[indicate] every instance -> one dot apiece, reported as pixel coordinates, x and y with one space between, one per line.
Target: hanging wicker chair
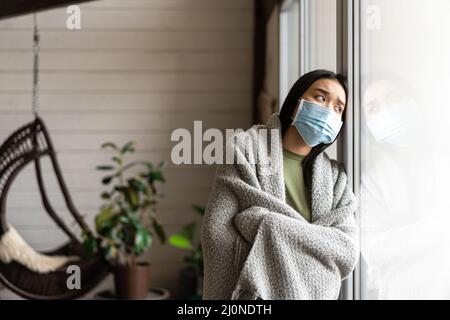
29 273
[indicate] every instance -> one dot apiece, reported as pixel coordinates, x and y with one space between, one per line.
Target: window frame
349 21
348 62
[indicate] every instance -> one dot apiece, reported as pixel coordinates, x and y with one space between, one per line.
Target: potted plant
191 276
127 221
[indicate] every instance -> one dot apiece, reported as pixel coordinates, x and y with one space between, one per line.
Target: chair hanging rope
36 48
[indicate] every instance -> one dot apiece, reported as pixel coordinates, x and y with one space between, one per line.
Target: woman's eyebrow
327 93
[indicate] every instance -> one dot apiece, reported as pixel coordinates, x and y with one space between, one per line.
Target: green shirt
297 194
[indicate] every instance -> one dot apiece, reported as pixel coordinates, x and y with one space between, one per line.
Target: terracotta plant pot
132 282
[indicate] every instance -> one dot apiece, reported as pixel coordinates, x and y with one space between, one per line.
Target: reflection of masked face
392 124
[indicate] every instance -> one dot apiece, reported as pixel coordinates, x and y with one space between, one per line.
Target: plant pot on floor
132 282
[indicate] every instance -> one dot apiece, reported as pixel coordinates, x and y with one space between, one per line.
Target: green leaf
159 230
199 209
112 234
137 185
189 231
162 164
141 241
104 167
117 160
103 219
197 255
107 179
125 219
135 222
155 176
180 241
90 244
132 197
129 147
105 195
120 188
109 145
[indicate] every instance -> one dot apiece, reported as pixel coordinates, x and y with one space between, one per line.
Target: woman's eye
321 98
338 109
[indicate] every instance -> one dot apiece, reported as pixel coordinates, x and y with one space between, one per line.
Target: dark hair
289 104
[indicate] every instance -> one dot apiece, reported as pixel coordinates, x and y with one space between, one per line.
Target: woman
405 222
284 227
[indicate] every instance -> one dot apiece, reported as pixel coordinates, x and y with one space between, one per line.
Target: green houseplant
127 221
191 277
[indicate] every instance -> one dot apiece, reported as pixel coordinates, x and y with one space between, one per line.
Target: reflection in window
405 214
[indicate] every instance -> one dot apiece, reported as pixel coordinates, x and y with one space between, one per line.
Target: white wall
135 71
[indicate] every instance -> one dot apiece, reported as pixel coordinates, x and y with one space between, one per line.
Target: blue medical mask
393 123
316 123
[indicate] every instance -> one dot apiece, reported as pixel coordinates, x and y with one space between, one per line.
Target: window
307 42
404 77
395 55
289 47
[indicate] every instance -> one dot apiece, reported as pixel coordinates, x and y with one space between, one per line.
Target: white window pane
405 214
321 41
289 47
322 34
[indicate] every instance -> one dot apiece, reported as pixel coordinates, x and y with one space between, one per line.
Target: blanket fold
256 246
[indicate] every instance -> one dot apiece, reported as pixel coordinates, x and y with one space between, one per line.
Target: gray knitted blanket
256 246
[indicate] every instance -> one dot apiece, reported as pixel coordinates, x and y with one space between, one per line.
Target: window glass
405 214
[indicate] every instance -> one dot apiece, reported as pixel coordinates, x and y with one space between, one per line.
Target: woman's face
328 93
